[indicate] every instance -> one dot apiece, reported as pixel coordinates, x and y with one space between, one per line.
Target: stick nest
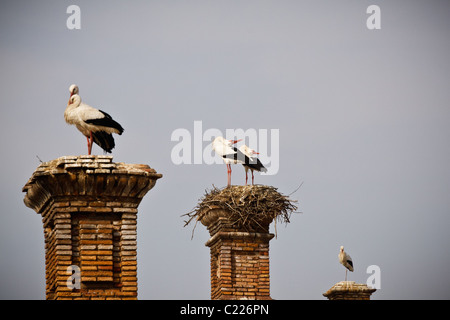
251 208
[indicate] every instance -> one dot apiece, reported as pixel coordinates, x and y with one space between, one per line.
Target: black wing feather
258 166
237 155
104 140
350 262
254 164
106 121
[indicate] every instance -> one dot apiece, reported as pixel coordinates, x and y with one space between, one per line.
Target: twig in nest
251 208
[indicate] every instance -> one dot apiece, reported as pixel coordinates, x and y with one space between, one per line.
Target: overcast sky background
363 117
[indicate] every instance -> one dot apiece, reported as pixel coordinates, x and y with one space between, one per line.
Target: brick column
89 209
239 259
349 290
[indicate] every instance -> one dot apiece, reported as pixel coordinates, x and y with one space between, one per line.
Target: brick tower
239 259
89 209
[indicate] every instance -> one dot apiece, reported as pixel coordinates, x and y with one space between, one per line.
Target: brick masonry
239 259
89 211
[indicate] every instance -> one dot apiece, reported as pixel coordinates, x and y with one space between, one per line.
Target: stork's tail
104 140
258 166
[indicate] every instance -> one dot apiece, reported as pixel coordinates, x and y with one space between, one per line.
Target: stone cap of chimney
93 175
349 288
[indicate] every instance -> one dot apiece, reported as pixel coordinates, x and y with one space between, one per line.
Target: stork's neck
69 113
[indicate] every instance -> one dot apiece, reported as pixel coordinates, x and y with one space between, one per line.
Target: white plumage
346 261
230 155
253 162
73 89
96 125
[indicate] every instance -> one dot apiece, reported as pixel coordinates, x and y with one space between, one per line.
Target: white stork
96 125
346 261
230 155
253 162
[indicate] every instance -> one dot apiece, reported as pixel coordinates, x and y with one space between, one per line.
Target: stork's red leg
228 175
246 177
253 178
90 145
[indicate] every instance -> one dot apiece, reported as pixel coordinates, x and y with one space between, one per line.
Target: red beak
235 141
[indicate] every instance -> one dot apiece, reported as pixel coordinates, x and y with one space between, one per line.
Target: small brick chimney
89 209
349 290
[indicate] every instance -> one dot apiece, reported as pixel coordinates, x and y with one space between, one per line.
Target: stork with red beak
96 125
230 155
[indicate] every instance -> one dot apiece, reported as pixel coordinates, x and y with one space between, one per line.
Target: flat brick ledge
91 165
349 290
87 176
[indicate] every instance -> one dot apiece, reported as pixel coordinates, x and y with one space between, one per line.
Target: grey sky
363 116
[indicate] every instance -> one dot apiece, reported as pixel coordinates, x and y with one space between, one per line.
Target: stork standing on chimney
346 261
96 125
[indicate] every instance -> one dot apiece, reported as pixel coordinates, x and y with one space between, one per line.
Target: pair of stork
98 126
242 155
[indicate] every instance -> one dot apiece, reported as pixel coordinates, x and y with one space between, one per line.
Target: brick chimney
238 219
349 290
89 209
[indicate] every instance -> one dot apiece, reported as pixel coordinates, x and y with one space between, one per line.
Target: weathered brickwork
239 259
89 210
